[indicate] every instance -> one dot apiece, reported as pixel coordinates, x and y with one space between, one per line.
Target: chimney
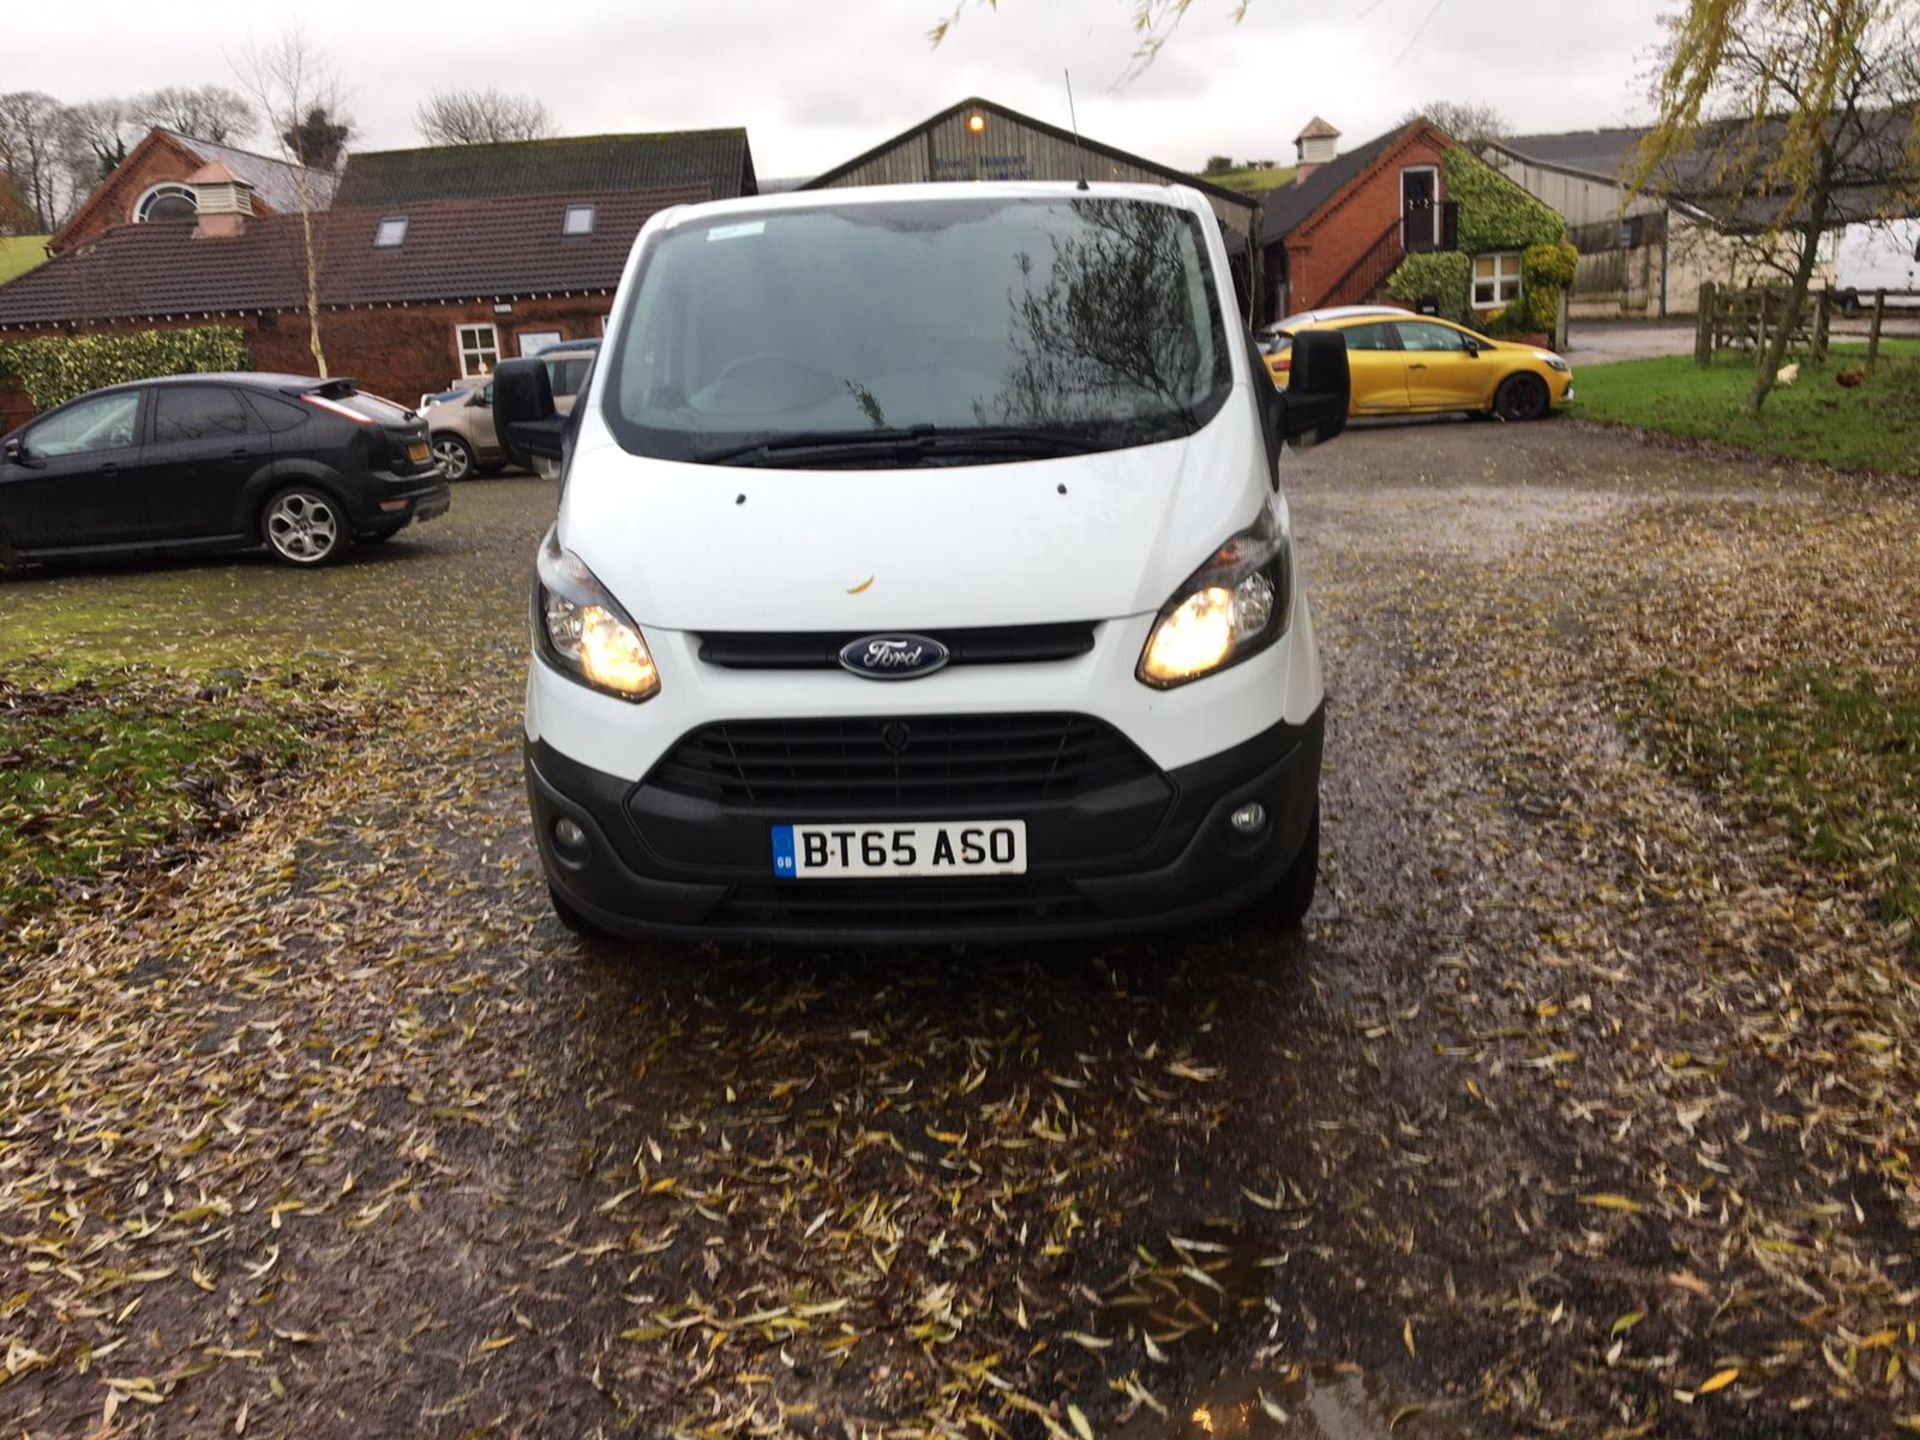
222 203
1314 147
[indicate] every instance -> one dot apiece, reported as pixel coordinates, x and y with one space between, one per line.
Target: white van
1877 255
922 574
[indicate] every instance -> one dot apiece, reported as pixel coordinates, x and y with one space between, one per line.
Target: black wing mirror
14 452
1313 408
1473 348
523 413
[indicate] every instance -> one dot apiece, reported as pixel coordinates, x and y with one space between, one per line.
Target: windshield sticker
731 232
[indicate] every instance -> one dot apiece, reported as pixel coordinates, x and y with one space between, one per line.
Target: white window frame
592 214
166 188
1432 190
532 342
473 347
1505 286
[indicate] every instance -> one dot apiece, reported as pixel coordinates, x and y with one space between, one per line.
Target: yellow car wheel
1521 397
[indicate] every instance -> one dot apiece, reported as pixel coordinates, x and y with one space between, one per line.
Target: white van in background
1878 255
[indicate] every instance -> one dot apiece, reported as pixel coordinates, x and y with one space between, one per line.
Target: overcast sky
816 83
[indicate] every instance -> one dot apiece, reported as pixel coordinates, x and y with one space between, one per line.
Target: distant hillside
19 254
1252 178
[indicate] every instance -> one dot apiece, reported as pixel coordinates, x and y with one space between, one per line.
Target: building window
166 202
479 349
392 232
532 342
1496 280
579 220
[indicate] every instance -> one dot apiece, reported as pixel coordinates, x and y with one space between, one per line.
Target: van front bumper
1155 851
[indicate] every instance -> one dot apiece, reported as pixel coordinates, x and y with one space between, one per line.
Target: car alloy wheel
454 456
1521 397
303 527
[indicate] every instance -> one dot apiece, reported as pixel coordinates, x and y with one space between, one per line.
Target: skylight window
579 220
392 232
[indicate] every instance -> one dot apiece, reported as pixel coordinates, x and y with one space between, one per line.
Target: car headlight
581 628
1554 362
1232 608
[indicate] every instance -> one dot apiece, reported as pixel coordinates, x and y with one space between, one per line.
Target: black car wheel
454 454
1521 397
303 525
1293 896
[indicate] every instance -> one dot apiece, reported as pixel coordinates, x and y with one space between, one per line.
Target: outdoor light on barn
977 123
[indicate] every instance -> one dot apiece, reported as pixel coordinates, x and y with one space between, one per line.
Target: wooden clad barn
982 140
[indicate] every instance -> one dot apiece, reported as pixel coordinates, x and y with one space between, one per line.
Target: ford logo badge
893 657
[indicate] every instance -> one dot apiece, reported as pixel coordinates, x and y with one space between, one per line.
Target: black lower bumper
1192 867
401 501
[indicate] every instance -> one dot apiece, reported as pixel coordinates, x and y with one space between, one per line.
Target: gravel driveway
338 1133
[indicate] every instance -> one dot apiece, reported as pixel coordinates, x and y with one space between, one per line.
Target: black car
300 465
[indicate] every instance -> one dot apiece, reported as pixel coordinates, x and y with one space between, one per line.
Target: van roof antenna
1079 150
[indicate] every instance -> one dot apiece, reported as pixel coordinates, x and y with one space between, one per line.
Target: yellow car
1407 364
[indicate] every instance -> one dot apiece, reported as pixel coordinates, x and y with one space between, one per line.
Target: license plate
947 847
418 453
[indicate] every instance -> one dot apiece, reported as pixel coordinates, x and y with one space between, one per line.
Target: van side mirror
1313 407
14 452
523 413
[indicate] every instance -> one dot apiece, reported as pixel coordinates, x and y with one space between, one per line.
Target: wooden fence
1749 319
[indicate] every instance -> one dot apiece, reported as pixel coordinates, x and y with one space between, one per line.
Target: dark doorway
1417 206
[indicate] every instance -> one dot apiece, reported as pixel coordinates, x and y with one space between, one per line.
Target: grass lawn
1252 178
19 254
1873 427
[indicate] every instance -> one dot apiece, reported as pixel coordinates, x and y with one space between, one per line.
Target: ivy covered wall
1495 214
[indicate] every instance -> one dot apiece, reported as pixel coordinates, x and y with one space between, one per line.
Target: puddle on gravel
1201 1281
1324 1403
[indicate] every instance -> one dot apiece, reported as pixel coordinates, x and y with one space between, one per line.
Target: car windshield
1092 320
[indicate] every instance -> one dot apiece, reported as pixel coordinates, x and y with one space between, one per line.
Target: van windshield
988 327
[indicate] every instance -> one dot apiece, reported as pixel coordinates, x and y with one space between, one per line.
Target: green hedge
1442 274
52 371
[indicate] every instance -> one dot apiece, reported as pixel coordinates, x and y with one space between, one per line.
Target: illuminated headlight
581 628
1233 607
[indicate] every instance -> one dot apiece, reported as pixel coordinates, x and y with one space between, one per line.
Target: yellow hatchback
1407 364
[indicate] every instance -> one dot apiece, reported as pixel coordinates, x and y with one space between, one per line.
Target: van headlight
1232 608
581 628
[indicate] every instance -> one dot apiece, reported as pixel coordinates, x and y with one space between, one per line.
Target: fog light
568 835
1250 819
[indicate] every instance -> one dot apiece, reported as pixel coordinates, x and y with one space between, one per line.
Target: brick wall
1322 250
399 353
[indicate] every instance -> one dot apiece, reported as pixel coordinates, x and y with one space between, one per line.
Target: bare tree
480 117
33 133
1783 119
1469 122
94 139
1153 22
206 112
298 96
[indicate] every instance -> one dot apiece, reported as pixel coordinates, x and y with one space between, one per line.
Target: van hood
1083 537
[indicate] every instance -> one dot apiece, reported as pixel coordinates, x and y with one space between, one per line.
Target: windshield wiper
910 445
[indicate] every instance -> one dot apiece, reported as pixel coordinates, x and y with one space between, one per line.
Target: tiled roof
1593 152
1317 129
452 249
717 159
275 181
1291 206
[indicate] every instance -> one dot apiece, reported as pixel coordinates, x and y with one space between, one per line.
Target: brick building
433 264
410 295
1334 235
154 183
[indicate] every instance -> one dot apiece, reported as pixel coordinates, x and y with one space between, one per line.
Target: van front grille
935 761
